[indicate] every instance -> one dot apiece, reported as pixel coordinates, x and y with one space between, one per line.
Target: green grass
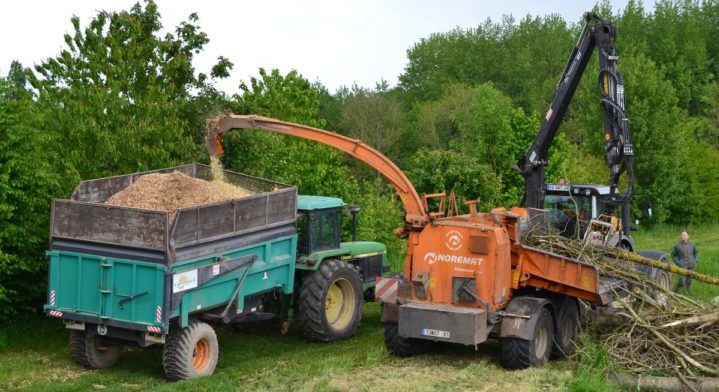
706 237
35 357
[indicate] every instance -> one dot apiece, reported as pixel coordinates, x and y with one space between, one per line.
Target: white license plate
435 333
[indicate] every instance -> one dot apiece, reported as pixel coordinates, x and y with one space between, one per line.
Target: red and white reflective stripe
158 314
154 329
385 290
55 313
52 297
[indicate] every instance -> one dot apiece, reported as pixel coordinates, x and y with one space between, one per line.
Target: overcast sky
337 42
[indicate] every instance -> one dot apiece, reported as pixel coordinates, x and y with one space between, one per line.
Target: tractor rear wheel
403 347
567 331
93 352
520 353
330 302
190 352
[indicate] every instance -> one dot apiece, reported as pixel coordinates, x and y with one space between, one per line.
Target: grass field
35 355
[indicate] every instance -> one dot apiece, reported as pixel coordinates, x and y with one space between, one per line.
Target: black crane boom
600 34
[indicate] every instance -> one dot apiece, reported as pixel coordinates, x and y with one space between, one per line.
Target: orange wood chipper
466 277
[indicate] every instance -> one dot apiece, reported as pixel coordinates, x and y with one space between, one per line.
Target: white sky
338 42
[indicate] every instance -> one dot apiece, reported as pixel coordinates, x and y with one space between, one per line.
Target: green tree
124 98
375 117
434 171
31 173
523 60
314 168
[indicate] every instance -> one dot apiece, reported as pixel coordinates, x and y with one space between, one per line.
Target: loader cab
318 223
572 206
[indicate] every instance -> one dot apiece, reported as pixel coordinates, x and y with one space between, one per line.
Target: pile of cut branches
660 331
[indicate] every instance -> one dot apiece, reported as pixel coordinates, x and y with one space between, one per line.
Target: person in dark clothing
684 255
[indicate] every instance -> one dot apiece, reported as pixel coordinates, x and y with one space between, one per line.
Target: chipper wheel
521 353
92 352
330 302
567 331
190 352
403 347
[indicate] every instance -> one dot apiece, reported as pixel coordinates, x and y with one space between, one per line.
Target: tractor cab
318 238
318 224
572 206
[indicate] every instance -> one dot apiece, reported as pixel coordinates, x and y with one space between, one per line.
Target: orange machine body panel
452 248
485 248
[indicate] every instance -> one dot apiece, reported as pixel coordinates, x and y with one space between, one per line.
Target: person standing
684 255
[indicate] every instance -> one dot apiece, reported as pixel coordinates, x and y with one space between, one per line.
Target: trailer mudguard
522 327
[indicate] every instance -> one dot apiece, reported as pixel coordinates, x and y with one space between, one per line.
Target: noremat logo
431 258
453 240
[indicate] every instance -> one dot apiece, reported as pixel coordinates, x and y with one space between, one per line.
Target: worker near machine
684 255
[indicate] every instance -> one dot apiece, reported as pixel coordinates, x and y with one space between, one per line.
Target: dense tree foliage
32 171
313 168
121 97
118 80
669 61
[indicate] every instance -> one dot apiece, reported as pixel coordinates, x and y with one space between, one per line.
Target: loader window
569 214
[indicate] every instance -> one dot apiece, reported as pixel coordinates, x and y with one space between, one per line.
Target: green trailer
126 276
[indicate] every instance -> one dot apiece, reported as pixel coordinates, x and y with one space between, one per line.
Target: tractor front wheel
330 302
93 352
190 352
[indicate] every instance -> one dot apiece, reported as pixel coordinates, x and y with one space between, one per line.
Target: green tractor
332 276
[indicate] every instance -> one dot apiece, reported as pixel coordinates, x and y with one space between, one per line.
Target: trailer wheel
92 352
567 331
330 302
520 353
190 352
403 347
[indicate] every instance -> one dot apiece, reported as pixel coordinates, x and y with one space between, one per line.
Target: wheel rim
541 342
340 304
201 354
665 282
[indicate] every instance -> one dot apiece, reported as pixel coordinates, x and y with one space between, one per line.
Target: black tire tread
84 353
517 353
180 342
310 314
402 347
567 313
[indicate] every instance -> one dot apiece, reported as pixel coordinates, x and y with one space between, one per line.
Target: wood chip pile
173 191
